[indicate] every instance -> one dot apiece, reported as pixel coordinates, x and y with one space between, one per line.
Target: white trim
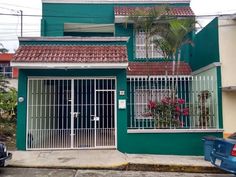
205 68
116 1
77 39
26 65
173 130
72 107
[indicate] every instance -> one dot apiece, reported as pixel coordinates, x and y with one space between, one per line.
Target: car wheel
2 164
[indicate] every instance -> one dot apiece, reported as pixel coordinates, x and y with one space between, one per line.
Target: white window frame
140 43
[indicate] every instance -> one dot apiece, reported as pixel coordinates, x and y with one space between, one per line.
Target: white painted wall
227 48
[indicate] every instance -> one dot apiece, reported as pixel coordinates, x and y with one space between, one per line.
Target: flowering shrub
167 112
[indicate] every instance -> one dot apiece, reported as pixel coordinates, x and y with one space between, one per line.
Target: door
104 118
93 113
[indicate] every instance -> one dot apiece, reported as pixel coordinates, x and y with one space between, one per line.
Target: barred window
153 51
143 96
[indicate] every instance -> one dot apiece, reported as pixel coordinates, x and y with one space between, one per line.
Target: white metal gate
77 113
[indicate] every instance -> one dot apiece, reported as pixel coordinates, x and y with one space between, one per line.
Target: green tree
8 102
147 21
173 36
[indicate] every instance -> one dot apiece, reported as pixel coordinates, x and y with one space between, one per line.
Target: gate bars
76 113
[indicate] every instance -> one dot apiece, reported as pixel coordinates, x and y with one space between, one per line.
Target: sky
10 26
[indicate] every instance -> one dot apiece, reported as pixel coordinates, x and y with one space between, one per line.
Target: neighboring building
90 87
215 50
11 74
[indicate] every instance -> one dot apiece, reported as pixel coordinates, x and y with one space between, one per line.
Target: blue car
223 154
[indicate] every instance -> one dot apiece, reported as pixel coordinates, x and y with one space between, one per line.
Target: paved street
33 172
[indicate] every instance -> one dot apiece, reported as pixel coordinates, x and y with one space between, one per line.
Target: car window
233 136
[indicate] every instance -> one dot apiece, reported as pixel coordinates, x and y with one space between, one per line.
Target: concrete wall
13 83
227 48
229 112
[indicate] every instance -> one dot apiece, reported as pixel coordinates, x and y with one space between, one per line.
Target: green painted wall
22 92
155 143
219 92
206 46
55 15
164 143
21 111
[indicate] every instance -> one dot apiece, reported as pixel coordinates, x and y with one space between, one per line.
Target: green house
85 84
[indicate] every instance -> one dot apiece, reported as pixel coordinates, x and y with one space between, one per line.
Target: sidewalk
109 159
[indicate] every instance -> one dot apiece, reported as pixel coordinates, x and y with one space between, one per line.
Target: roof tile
173 11
71 54
157 68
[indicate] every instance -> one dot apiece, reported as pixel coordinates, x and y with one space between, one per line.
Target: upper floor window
140 44
6 70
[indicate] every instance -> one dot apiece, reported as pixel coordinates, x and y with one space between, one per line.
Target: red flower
165 100
181 101
177 108
151 105
186 111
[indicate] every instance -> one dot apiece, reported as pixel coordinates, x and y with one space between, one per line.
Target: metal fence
171 102
71 113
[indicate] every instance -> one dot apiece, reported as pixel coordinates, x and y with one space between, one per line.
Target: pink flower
186 111
177 108
151 105
165 100
181 101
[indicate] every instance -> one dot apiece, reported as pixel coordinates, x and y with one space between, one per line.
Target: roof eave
117 1
49 65
75 39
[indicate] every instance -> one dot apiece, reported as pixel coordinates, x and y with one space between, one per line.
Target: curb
135 167
173 168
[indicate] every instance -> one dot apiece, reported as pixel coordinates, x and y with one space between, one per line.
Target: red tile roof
6 56
71 54
173 11
157 68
